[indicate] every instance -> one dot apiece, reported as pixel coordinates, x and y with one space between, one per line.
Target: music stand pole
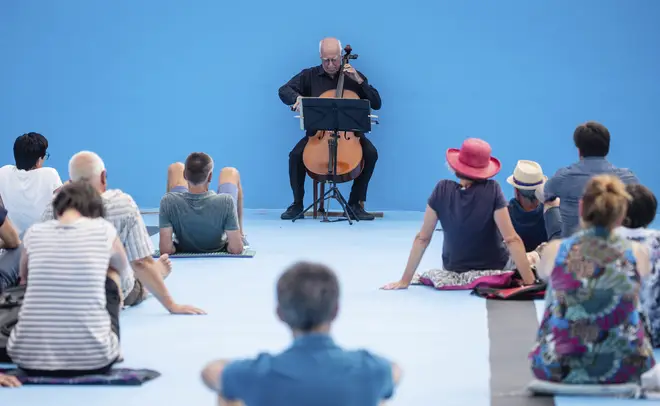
319 109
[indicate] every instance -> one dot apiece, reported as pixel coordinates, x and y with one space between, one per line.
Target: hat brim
493 168
511 182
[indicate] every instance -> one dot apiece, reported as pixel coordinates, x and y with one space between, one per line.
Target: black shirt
312 82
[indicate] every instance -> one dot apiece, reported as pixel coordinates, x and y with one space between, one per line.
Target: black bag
11 301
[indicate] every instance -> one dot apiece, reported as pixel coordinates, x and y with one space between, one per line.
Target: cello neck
340 83
344 60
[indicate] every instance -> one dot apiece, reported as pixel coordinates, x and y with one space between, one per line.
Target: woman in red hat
479 238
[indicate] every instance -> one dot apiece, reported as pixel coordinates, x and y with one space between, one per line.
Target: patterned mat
448 280
116 377
248 253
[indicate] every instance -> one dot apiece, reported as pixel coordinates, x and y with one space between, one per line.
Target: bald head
330 51
330 45
88 166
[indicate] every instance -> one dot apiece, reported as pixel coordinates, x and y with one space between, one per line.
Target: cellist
312 82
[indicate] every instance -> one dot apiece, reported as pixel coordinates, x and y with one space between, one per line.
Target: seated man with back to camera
194 219
122 211
592 141
314 370
27 187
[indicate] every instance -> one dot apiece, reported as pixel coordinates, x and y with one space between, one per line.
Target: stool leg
322 194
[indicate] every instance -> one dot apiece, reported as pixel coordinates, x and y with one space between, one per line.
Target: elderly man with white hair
312 82
122 211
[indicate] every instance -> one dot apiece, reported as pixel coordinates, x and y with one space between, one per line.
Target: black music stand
332 114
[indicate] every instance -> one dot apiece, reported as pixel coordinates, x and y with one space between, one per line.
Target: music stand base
336 194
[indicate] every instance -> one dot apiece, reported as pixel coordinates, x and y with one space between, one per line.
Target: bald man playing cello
312 82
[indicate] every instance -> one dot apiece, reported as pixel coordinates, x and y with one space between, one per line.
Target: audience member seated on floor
641 213
194 219
9 252
73 266
122 211
314 370
593 143
535 222
27 188
592 330
474 217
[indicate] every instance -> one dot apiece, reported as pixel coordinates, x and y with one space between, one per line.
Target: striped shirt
63 323
122 211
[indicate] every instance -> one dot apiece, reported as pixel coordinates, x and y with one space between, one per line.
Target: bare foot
167 269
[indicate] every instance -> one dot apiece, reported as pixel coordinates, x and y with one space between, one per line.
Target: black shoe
359 212
292 212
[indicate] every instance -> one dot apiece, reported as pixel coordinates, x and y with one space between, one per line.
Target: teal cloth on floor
629 390
116 377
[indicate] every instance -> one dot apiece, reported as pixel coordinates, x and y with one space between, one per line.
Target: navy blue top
471 240
313 371
530 225
3 215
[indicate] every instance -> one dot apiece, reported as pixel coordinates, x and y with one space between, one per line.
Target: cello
349 162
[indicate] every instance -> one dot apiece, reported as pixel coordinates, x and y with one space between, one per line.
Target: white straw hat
527 175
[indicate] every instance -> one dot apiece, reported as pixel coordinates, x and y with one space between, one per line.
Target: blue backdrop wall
143 83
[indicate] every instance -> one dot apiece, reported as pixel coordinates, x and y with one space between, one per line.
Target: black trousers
297 172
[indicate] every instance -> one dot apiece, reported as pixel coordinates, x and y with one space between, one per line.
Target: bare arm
544 269
234 242
420 243
212 376
23 268
641 253
396 378
515 244
8 235
166 245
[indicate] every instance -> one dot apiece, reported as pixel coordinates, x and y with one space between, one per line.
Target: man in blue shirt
313 370
593 143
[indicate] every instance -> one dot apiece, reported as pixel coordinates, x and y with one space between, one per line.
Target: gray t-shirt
199 221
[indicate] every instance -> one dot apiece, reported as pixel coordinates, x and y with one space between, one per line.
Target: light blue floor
440 339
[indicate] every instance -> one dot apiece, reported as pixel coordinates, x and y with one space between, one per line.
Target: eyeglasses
46 156
330 60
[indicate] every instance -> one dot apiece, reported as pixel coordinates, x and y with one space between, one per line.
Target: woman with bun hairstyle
592 331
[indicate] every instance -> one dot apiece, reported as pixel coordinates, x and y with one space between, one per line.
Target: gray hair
307 296
87 166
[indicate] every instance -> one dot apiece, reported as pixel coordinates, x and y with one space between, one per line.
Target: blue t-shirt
313 371
471 239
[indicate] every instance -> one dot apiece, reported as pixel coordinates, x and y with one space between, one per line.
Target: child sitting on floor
641 213
592 330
